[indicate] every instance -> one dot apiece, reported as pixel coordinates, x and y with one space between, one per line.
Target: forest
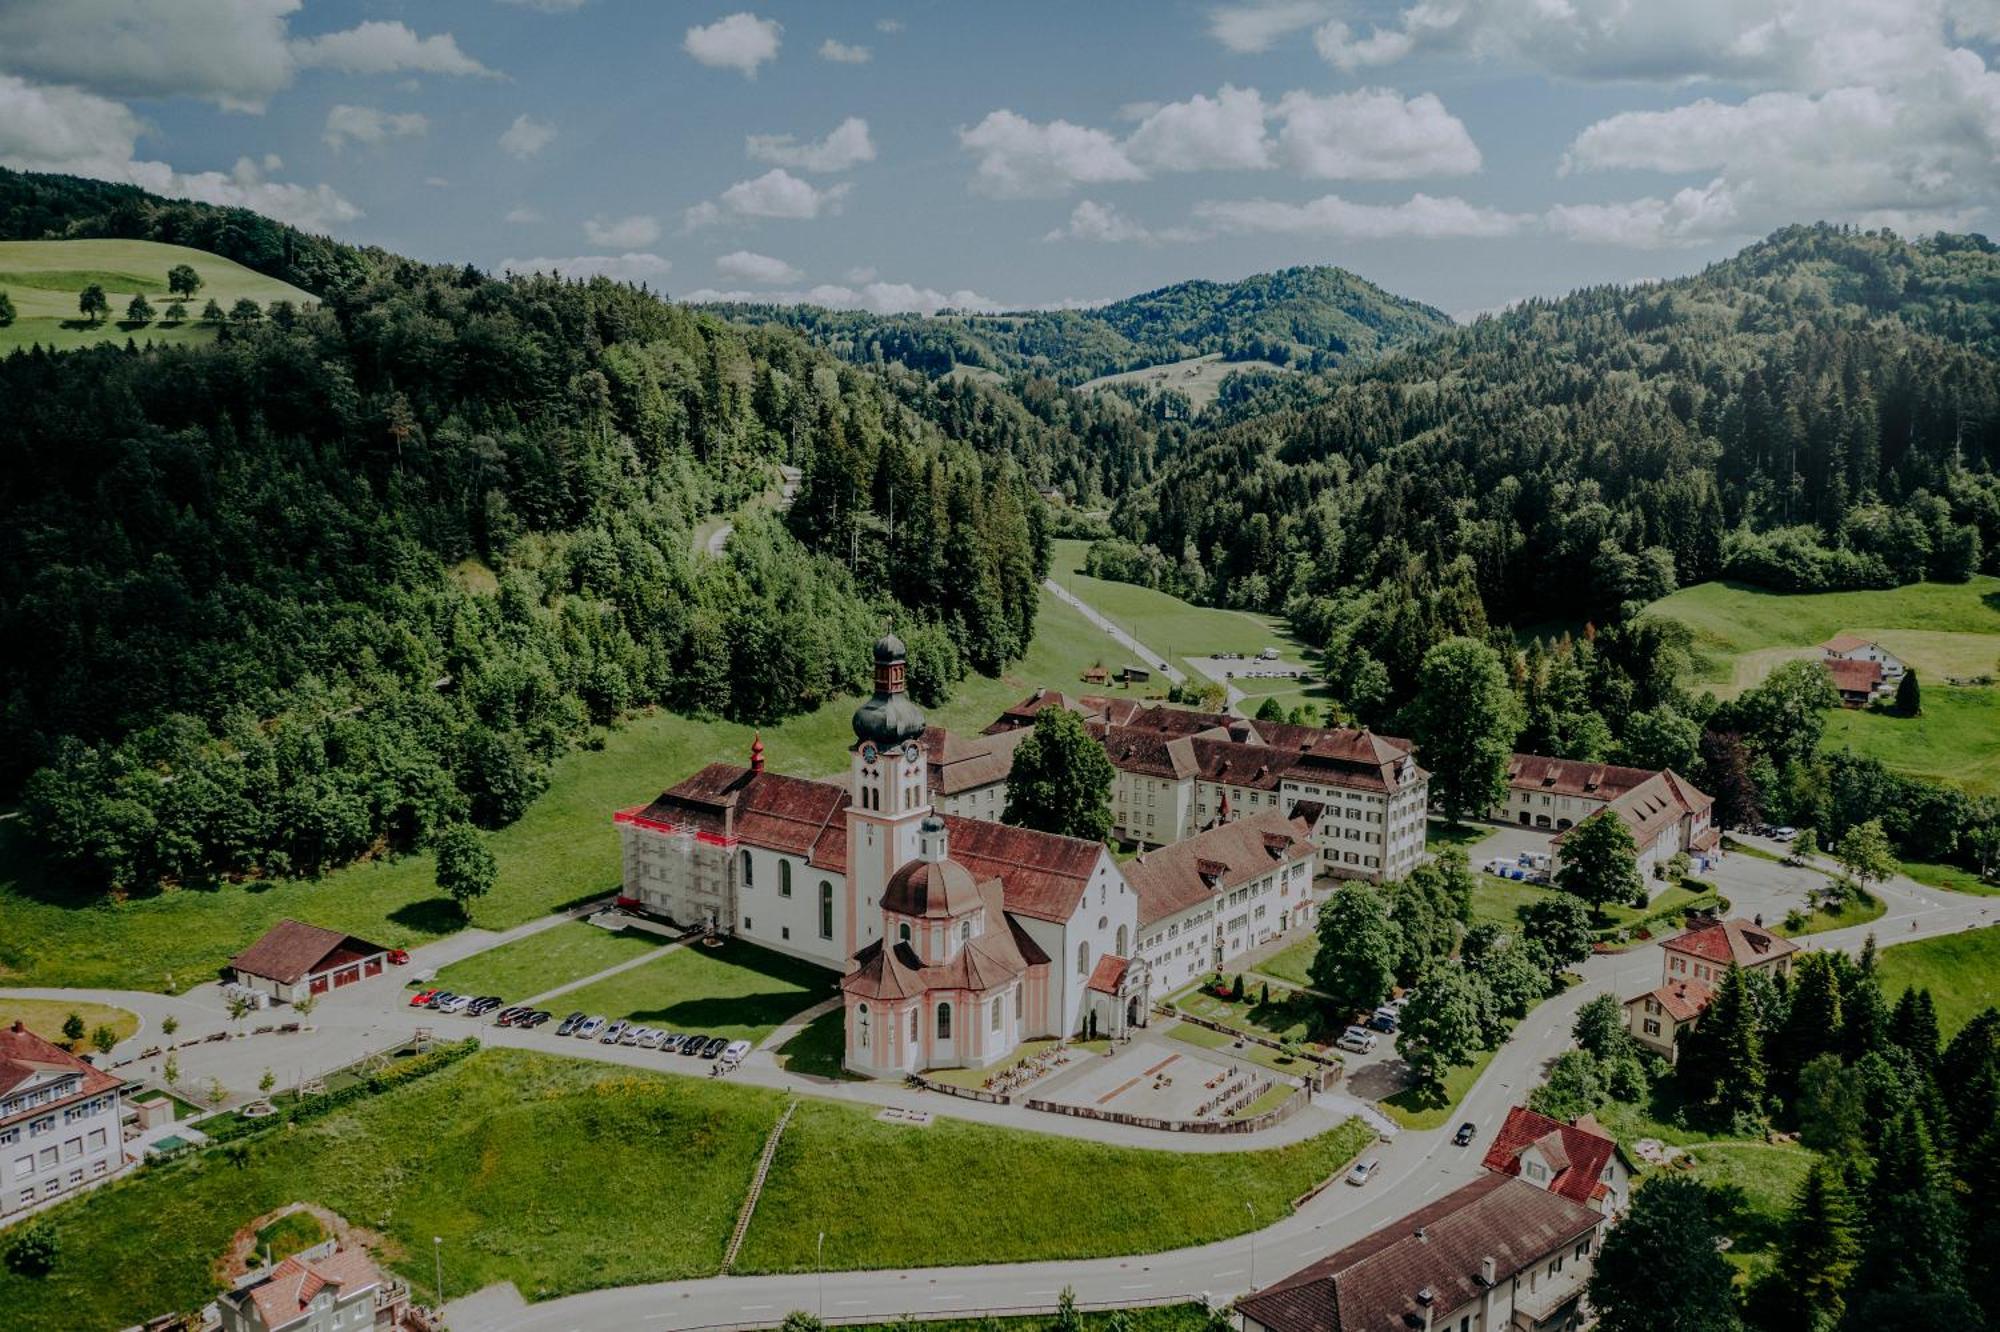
363 568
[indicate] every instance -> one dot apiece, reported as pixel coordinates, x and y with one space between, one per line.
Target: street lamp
1253 1242
819 1263
437 1250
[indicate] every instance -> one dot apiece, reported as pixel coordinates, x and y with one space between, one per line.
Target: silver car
589 1027
614 1032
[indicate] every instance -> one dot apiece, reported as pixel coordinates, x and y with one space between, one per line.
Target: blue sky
909 155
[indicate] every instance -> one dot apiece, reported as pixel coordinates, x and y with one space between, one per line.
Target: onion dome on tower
889 717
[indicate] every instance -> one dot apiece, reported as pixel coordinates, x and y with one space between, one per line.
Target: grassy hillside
562 850
45 277
1962 972
1199 378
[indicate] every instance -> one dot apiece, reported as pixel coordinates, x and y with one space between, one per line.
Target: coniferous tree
1812 1022
1915 1238
1816 1255
1659 1269
1913 1026
1722 1059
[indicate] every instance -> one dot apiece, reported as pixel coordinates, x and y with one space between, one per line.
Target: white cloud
365 124
841 53
622 233
1250 28
845 146
888 25
522 216
1691 217
740 42
547 6
1021 159
1373 134
379 47
860 275
775 194
643 267
875 297
1093 221
527 136
231 52
762 269
79 133
1421 216
1204 134
437 182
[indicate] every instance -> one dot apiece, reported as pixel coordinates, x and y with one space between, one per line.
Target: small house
293 959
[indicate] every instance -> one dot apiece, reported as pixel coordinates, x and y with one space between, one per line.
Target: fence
1277 1114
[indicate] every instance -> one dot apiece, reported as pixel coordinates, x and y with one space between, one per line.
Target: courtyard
1157 1077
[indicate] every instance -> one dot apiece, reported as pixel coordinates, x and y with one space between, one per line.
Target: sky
931 153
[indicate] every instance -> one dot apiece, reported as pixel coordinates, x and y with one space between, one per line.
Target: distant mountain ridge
1311 318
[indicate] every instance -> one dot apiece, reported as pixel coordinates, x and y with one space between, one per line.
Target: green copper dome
889 717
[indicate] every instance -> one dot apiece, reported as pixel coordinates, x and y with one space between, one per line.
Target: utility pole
437 1249
1253 1242
819 1264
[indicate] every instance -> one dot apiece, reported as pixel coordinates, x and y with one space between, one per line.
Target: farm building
293 959
1857 682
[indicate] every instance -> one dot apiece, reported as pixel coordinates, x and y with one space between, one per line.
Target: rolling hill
43 278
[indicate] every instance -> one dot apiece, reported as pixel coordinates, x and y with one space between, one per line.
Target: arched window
913 1026
1121 942
996 1015
964 931
1083 957
861 1026
825 909
744 856
784 878
944 1022
903 932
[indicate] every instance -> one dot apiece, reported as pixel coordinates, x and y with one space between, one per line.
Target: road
1416 1167
1098 618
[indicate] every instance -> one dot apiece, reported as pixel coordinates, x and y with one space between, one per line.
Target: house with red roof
293 959
1857 682
1692 965
323 1289
1579 1160
957 937
59 1121
1666 815
1853 677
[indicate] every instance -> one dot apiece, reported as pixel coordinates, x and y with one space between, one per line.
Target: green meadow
44 279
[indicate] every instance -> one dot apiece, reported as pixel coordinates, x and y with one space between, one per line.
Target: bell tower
888 790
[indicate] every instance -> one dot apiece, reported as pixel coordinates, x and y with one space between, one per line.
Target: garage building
294 959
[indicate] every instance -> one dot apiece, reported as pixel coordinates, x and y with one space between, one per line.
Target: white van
1358 1039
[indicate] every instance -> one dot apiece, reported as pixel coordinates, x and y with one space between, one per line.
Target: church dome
888 717
936 889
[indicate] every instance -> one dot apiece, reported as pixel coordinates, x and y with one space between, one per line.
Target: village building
1666 815
59 1121
293 959
1857 682
1497 1253
1580 1159
1558 793
1853 647
1208 900
323 1289
1180 771
959 936
968 773
1692 965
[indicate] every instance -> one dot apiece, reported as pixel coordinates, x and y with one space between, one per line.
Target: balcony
1552 1298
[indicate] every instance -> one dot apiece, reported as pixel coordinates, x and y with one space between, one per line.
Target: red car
422 999
399 957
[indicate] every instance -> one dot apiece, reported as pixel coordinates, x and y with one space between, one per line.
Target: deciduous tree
93 304
1600 863
465 866
1358 947
183 281
1464 720
1440 1027
139 310
1061 779
1865 853
1560 923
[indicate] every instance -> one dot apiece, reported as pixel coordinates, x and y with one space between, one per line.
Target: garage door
372 967
346 976
318 985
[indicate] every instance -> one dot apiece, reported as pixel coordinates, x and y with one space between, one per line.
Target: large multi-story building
1180 772
1692 964
59 1121
1665 812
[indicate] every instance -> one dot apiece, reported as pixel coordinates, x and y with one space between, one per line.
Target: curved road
1415 1167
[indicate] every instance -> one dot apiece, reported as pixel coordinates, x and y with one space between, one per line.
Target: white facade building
59 1121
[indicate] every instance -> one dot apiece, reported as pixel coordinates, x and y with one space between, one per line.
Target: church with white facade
958 938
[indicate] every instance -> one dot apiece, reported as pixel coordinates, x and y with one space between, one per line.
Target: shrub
33 1250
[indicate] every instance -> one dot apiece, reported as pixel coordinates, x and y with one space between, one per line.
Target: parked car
1358 1039
456 1003
534 1019
1383 1019
507 1015
588 1028
716 1045
1363 1172
1784 834
614 1032
569 1024
735 1051
650 1039
632 1035
423 998
399 957
1464 1135
692 1044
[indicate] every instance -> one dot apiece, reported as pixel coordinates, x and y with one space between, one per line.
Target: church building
958 937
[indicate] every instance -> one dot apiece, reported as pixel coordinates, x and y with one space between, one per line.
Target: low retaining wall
969 1093
1331 1069
1277 1114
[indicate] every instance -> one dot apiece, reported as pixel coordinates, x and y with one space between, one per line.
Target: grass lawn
1957 739
1293 962
1441 834
1950 877
738 991
545 960
288 1234
957 1192
45 277
1962 972
1171 626
1290 1013
45 1017
561 851
817 1050
1414 1108
1499 901
1755 1183
1261 1055
1942 629
1736 848
1851 913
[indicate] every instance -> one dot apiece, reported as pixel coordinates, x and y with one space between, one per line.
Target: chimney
1489 1272
757 752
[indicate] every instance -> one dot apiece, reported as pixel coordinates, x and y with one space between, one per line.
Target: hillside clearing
1962 972
45 277
1199 377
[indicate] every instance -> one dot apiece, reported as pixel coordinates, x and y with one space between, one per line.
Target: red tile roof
291 950
959 763
25 1056
1045 875
1187 873
998 955
792 815
1108 974
1572 777
1846 643
1577 1155
1854 677
287 1293
941 889
1372 1285
1681 1000
1734 940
